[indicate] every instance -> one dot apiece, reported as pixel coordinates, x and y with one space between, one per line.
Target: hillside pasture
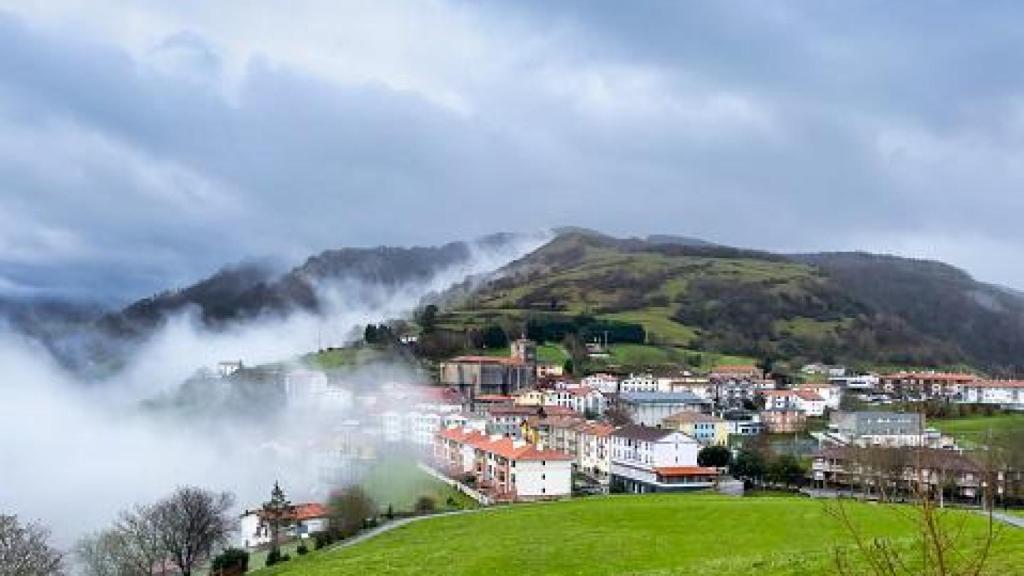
639 535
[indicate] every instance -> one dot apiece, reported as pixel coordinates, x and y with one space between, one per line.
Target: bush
302 550
274 557
231 561
424 505
323 539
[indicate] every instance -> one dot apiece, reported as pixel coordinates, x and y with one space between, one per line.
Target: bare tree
139 539
192 523
25 550
946 543
350 509
99 554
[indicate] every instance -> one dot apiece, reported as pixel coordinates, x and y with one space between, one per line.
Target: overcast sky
144 144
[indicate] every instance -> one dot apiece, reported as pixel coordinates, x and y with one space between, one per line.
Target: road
374 532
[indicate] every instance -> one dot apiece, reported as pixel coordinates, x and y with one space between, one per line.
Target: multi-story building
649 408
646 459
830 394
926 384
639 383
895 471
605 383
504 468
704 428
508 420
878 428
1006 393
594 456
810 402
479 375
783 420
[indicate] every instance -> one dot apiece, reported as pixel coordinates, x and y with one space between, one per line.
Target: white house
646 459
305 519
779 399
857 382
639 383
810 402
594 449
588 401
831 394
605 383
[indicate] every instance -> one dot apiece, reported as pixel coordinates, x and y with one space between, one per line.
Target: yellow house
705 428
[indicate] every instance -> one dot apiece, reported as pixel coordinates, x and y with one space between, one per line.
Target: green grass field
396 480
653 535
973 429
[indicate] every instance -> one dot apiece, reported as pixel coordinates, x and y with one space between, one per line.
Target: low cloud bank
73 453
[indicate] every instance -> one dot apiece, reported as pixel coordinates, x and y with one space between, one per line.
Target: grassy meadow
640 535
973 429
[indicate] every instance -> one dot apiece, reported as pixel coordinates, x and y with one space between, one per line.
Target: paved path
374 532
1005 518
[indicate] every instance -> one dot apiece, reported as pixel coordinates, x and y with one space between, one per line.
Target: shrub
323 539
301 550
424 505
231 561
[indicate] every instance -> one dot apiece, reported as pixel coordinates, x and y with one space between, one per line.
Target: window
543 476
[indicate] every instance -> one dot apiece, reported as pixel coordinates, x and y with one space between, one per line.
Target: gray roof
661 398
645 433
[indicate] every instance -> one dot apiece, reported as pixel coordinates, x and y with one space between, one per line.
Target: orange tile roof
487 360
997 384
947 376
686 471
780 393
492 398
506 448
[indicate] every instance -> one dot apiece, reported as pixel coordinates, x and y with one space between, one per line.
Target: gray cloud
143 146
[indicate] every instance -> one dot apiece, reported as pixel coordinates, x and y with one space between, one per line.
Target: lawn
641 535
395 480
973 429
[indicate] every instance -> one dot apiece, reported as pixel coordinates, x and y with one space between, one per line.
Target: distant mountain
686 295
247 291
677 294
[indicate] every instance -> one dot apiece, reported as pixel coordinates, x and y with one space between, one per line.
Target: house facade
479 375
1007 393
705 428
506 469
302 521
646 459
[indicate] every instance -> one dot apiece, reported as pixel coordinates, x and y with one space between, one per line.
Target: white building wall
543 479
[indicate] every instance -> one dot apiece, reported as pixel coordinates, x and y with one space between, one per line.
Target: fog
72 453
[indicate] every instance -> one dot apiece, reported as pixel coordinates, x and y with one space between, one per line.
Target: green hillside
649 535
683 300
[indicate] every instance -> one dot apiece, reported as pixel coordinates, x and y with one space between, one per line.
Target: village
511 429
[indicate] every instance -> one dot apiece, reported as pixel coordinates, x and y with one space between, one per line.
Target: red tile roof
493 398
942 376
997 384
508 361
502 446
686 471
